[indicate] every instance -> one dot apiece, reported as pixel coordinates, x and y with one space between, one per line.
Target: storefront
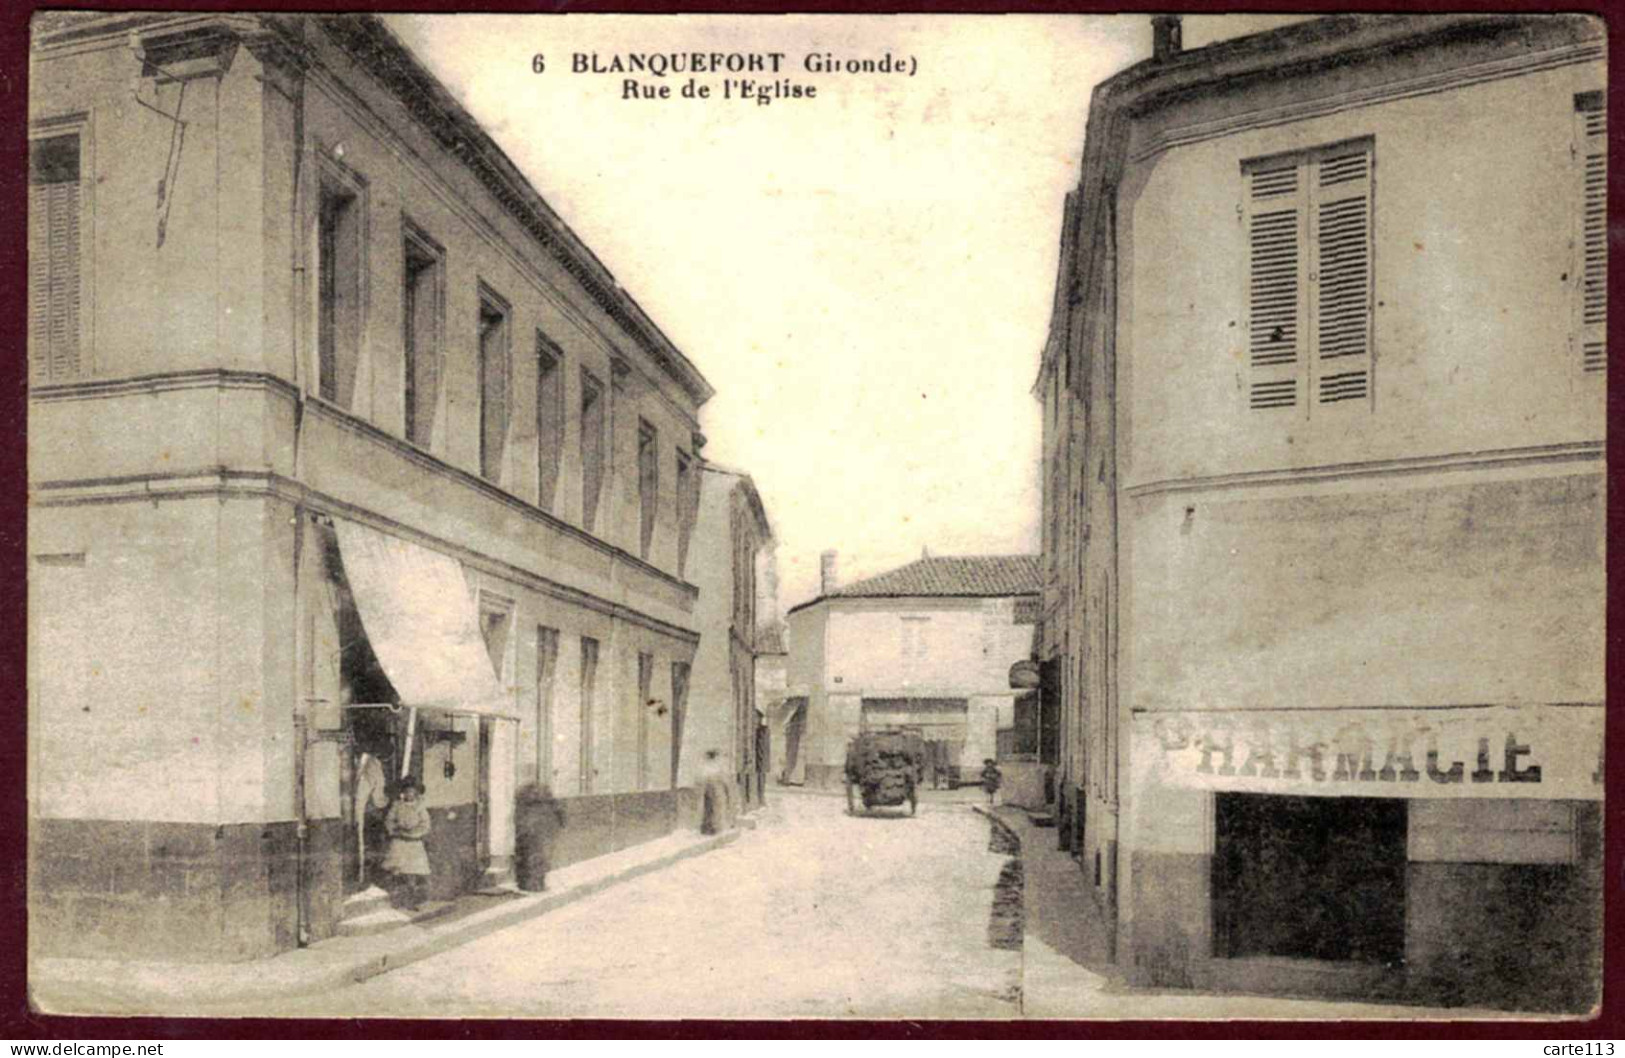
1371 852
414 697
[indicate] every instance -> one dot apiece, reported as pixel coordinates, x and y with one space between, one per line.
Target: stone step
378 921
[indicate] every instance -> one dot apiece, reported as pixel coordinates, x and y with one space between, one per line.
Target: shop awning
421 622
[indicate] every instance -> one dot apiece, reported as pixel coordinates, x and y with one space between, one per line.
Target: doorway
1309 877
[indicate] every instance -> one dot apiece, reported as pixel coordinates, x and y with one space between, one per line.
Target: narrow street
812 914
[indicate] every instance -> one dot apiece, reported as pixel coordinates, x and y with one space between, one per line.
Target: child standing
991 777
407 824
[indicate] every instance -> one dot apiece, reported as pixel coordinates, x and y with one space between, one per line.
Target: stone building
733 570
348 463
927 646
1323 529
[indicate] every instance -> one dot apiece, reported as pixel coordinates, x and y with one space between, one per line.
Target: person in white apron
407 824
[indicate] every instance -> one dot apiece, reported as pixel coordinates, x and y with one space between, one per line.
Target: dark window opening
1309 877
338 275
493 386
549 419
420 338
648 484
592 447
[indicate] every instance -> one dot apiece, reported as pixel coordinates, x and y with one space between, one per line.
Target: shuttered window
1308 237
1591 249
53 259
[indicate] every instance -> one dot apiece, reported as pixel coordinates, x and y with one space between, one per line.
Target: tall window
648 484
592 447
646 674
679 712
53 259
495 624
1309 278
339 291
589 694
494 314
687 505
422 275
549 419
547 667
1591 265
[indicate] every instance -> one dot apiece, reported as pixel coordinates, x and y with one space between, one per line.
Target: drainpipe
295 332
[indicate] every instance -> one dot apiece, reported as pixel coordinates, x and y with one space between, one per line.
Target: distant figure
407 824
991 777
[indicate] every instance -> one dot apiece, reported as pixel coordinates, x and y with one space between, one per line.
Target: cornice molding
1407 88
1535 455
315 406
375 50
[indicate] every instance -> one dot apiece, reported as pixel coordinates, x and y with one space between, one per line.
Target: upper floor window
592 447
1309 279
339 273
549 419
53 259
496 621
688 505
493 367
1591 249
422 314
648 484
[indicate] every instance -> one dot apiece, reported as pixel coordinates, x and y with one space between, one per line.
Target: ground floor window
1309 877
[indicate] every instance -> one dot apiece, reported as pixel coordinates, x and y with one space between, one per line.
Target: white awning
421 622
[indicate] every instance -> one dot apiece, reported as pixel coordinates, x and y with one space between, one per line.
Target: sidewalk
1067 973
110 986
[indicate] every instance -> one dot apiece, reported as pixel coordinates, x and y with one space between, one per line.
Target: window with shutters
1308 235
1591 238
54 243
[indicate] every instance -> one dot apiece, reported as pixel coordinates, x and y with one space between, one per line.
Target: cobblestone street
812 914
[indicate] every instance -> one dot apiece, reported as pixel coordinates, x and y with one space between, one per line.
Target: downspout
295 330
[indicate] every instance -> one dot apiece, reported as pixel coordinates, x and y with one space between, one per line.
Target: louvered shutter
1591 157
53 259
1340 274
1275 283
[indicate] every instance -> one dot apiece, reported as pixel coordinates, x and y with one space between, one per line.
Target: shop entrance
1309 877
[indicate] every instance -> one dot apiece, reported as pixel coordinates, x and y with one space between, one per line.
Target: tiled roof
981 575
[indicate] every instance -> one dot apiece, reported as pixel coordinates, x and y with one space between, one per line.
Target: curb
361 968
1002 825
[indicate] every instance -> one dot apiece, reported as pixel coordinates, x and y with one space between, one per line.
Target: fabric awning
421 623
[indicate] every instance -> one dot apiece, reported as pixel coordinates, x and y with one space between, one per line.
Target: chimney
829 580
1165 42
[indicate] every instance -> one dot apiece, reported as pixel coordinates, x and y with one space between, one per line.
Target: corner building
348 461
1324 505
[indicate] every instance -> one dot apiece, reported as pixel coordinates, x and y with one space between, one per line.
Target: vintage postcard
884 517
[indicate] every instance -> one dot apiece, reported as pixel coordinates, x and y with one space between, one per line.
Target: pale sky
865 277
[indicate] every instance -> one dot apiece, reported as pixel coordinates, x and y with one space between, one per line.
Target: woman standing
407 824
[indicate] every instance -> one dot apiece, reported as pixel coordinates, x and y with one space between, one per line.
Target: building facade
1323 485
926 646
734 571
349 463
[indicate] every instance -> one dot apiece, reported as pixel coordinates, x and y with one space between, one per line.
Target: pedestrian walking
407 824
991 777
